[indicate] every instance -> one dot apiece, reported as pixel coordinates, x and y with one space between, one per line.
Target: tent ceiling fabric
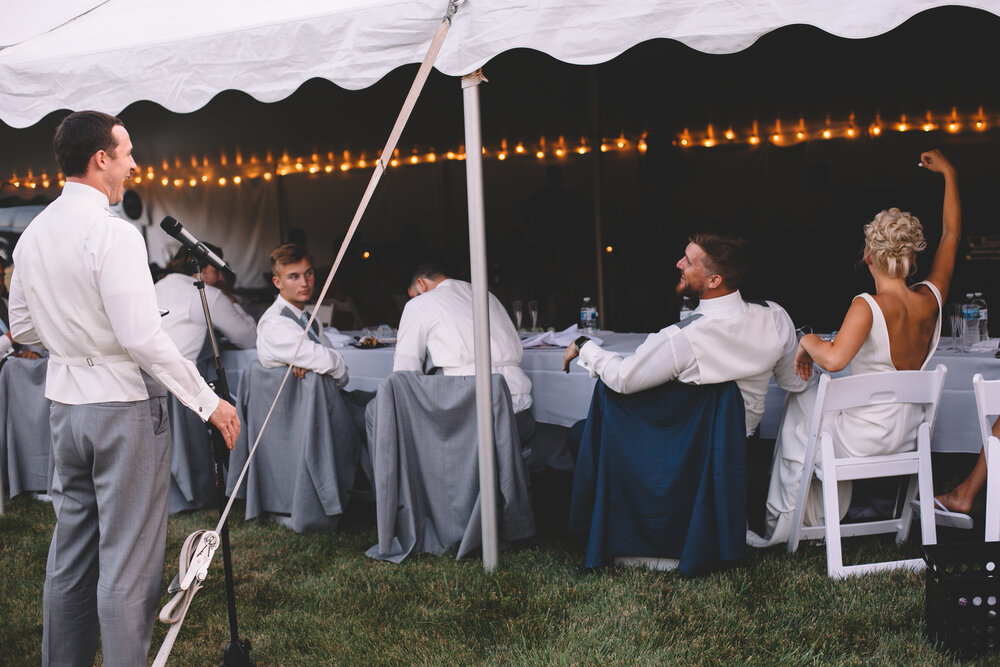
181 53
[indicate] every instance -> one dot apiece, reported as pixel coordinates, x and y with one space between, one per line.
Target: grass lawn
316 599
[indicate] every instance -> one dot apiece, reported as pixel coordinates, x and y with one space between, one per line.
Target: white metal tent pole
480 317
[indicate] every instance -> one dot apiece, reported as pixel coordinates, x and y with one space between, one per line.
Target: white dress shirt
278 334
439 323
185 323
83 289
732 340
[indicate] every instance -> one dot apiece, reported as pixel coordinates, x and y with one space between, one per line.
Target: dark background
802 206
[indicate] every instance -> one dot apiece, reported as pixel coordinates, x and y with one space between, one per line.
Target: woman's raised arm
951 228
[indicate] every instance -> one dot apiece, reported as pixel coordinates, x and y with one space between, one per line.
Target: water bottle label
970 312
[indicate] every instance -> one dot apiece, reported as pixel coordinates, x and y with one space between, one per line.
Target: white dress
866 431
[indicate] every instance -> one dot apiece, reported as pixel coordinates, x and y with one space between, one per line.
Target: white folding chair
988 405
835 395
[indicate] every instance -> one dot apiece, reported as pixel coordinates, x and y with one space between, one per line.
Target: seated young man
185 319
281 325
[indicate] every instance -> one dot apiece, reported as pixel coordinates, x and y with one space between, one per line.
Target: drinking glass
518 309
533 313
957 326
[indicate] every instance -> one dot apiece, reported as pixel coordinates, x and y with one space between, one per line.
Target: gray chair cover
25 438
426 461
305 464
192 466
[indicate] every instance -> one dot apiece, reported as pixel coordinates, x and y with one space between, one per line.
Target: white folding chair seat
835 395
988 404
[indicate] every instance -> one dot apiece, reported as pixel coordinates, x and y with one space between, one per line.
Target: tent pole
480 317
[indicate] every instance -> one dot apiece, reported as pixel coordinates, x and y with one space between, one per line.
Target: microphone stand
237 653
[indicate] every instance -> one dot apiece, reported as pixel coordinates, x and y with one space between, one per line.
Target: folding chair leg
906 516
831 509
805 483
925 479
993 490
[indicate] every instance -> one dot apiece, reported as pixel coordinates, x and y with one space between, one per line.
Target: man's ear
274 279
714 281
99 159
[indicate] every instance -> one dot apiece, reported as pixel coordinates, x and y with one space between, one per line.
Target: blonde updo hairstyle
892 241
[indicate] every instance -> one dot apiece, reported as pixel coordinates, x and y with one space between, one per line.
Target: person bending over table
725 339
185 321
435 332
282 324
896 329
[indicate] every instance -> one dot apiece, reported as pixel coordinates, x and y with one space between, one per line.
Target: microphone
200 251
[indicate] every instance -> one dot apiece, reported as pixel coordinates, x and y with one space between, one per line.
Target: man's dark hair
181 261
288 253
431 268
79 136
726 254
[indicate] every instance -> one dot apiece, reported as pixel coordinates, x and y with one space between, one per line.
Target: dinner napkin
559 338
336 338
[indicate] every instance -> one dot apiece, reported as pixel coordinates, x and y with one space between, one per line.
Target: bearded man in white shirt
185 319
83 290
435 332
725 339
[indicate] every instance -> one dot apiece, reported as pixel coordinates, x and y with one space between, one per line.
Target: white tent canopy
106 54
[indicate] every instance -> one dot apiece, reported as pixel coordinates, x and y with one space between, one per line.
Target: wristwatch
579 342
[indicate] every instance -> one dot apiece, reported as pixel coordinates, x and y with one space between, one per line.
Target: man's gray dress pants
105 565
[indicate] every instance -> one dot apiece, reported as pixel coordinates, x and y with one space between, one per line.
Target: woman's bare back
910 318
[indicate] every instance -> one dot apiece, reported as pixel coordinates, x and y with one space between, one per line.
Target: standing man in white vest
83 290
725 339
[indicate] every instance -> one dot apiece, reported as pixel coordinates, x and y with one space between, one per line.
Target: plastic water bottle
588 316
970 322
687 309
984 334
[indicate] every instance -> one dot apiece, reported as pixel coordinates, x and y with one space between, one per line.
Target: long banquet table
563 399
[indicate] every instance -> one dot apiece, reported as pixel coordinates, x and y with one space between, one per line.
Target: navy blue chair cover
662 473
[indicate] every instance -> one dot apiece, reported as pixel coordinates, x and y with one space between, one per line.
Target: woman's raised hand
935 161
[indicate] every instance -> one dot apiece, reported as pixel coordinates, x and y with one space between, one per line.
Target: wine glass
957 326
533 313
518 308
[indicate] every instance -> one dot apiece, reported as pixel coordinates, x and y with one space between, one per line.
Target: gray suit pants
105 565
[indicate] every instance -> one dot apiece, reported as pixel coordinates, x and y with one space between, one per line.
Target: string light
195 170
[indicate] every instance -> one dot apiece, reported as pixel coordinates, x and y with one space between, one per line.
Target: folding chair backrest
836 394
987 403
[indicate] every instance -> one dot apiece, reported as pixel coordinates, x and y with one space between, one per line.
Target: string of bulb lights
196 171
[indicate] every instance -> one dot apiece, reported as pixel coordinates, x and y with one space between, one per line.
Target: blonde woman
897 328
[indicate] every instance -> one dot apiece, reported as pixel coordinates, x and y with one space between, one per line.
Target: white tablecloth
563 399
